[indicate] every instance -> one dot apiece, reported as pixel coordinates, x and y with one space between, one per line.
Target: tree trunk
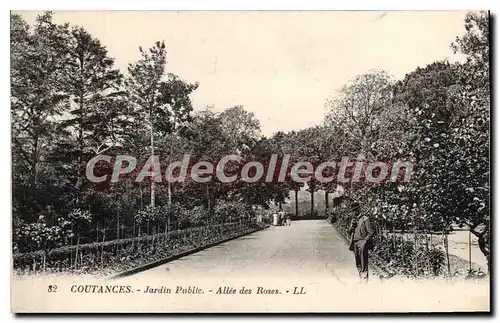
166 231
152 154
426 239
327 202
297 202
484 246
169 188
34 176
79 170
169 185
312 201
208 200
35 162
446 250
470 251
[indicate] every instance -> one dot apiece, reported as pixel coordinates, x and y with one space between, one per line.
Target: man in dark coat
361 233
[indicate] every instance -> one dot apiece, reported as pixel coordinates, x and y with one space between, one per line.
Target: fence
92 256
408 254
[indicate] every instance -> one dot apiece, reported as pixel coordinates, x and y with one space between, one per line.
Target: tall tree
471 137
241 129
355 110
144 84
173 121
92 85
37 97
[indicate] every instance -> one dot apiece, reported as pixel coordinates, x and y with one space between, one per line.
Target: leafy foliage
437 117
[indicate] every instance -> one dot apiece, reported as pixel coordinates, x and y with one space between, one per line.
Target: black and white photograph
250 161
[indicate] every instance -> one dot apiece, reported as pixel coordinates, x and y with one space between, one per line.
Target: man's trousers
361 257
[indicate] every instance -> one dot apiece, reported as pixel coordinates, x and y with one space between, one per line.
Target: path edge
168 259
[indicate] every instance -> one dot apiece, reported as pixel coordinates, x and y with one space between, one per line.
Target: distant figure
361 232
282 218
288 219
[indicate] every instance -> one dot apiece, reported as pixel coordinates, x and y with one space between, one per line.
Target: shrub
232 211
436 259
195 216
404 257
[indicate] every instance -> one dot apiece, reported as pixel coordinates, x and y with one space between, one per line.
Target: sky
282 66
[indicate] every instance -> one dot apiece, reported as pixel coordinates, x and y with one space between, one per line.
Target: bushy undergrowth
406 257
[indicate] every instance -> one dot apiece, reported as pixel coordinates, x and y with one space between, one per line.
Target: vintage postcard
250 161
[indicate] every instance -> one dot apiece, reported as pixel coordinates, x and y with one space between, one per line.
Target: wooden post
427 248
70 244
142 198
43 264
118 223
102 249
76 254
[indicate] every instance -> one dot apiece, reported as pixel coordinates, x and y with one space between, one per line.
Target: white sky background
281 66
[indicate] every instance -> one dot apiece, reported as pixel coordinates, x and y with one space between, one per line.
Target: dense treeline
69 104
